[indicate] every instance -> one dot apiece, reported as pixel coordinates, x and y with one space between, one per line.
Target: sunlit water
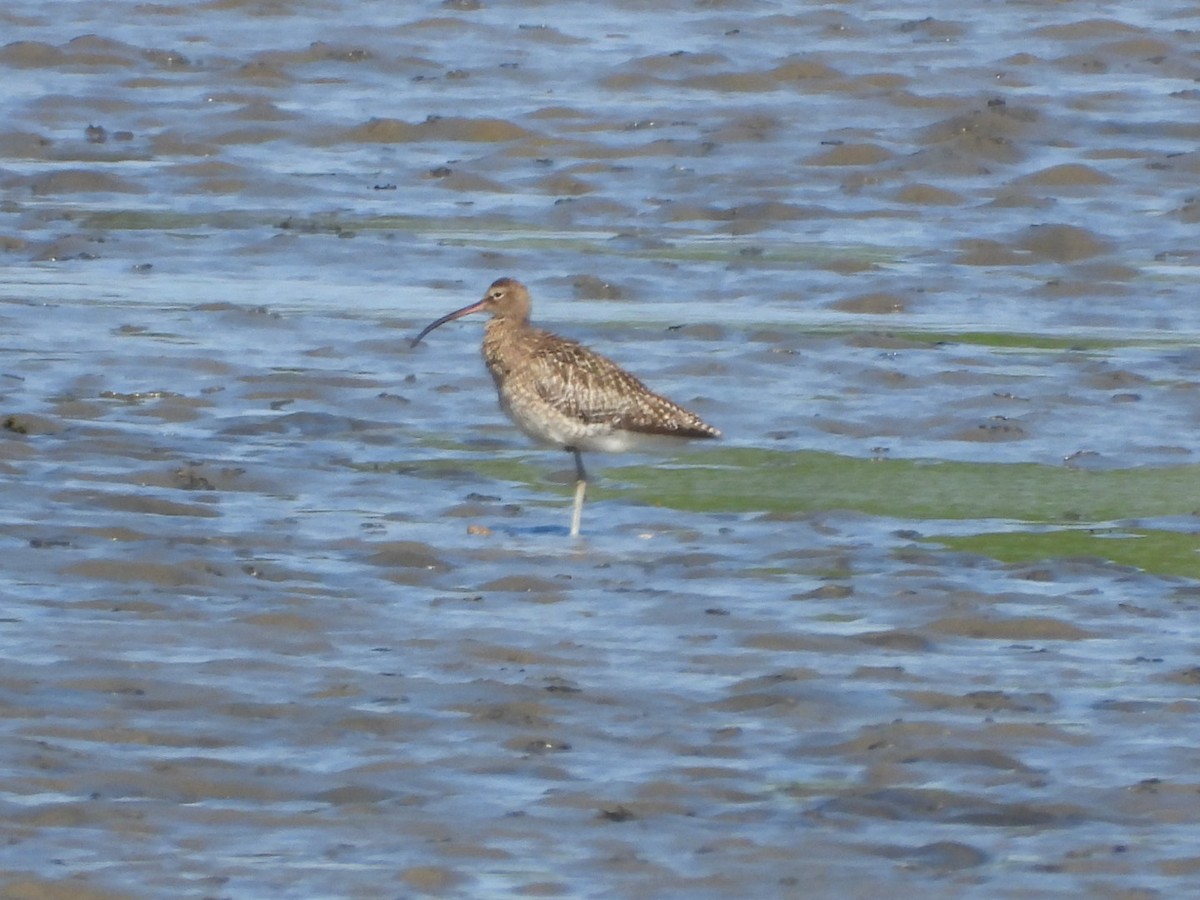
290 608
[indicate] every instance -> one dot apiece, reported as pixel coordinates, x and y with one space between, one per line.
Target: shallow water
291 610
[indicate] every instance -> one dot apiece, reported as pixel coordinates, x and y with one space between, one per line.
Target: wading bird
561 393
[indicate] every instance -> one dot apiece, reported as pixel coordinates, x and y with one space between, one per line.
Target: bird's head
505 298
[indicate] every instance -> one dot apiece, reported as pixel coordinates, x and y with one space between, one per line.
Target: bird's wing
592 388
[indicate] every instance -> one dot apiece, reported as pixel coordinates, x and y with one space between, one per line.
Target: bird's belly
547 425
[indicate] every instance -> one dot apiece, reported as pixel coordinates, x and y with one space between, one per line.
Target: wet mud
291 609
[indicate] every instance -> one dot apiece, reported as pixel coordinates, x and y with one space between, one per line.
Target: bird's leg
580 490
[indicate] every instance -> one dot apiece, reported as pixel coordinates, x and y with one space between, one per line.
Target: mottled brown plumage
561 393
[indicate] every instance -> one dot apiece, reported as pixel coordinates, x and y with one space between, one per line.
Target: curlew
560 393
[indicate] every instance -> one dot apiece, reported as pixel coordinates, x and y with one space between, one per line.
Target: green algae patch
503 467
752 480
495 231
1018 513
1001 340
1151 550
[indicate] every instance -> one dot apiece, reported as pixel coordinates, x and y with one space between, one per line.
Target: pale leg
580 490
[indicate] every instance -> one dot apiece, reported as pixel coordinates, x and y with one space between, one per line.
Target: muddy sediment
290 608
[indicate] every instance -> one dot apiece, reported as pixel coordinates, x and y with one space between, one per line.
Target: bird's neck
505 343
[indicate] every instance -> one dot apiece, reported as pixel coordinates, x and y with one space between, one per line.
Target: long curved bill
457 314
